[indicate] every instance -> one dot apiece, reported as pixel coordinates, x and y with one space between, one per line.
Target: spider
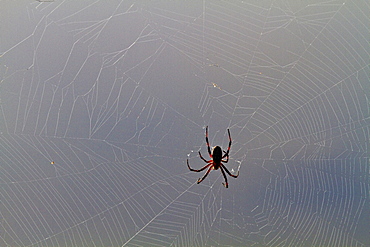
216 160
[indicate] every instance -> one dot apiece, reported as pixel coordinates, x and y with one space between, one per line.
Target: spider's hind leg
207 141
207 161
228 148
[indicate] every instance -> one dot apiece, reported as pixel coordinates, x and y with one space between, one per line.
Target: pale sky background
102 102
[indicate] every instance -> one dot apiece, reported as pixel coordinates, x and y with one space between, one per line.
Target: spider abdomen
217 156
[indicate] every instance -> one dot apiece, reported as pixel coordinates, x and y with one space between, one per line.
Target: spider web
102 103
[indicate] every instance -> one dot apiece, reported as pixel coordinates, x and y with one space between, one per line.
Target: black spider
216 160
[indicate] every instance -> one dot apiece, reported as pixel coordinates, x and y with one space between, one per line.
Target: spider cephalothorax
216 160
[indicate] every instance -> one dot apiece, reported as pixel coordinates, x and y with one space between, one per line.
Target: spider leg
205 175
193 170
228 149
228 172
223 173
208 147
207 161
227 158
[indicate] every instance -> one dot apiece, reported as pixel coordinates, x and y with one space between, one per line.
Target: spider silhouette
216 161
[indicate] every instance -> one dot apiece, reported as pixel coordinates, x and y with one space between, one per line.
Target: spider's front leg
205 175
228 172
194 170
226 184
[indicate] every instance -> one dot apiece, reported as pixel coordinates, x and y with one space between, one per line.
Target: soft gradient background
102 102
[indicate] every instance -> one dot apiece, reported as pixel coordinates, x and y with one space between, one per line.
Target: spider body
216 160
217 157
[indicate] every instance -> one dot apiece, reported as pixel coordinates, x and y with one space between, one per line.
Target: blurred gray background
102 102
